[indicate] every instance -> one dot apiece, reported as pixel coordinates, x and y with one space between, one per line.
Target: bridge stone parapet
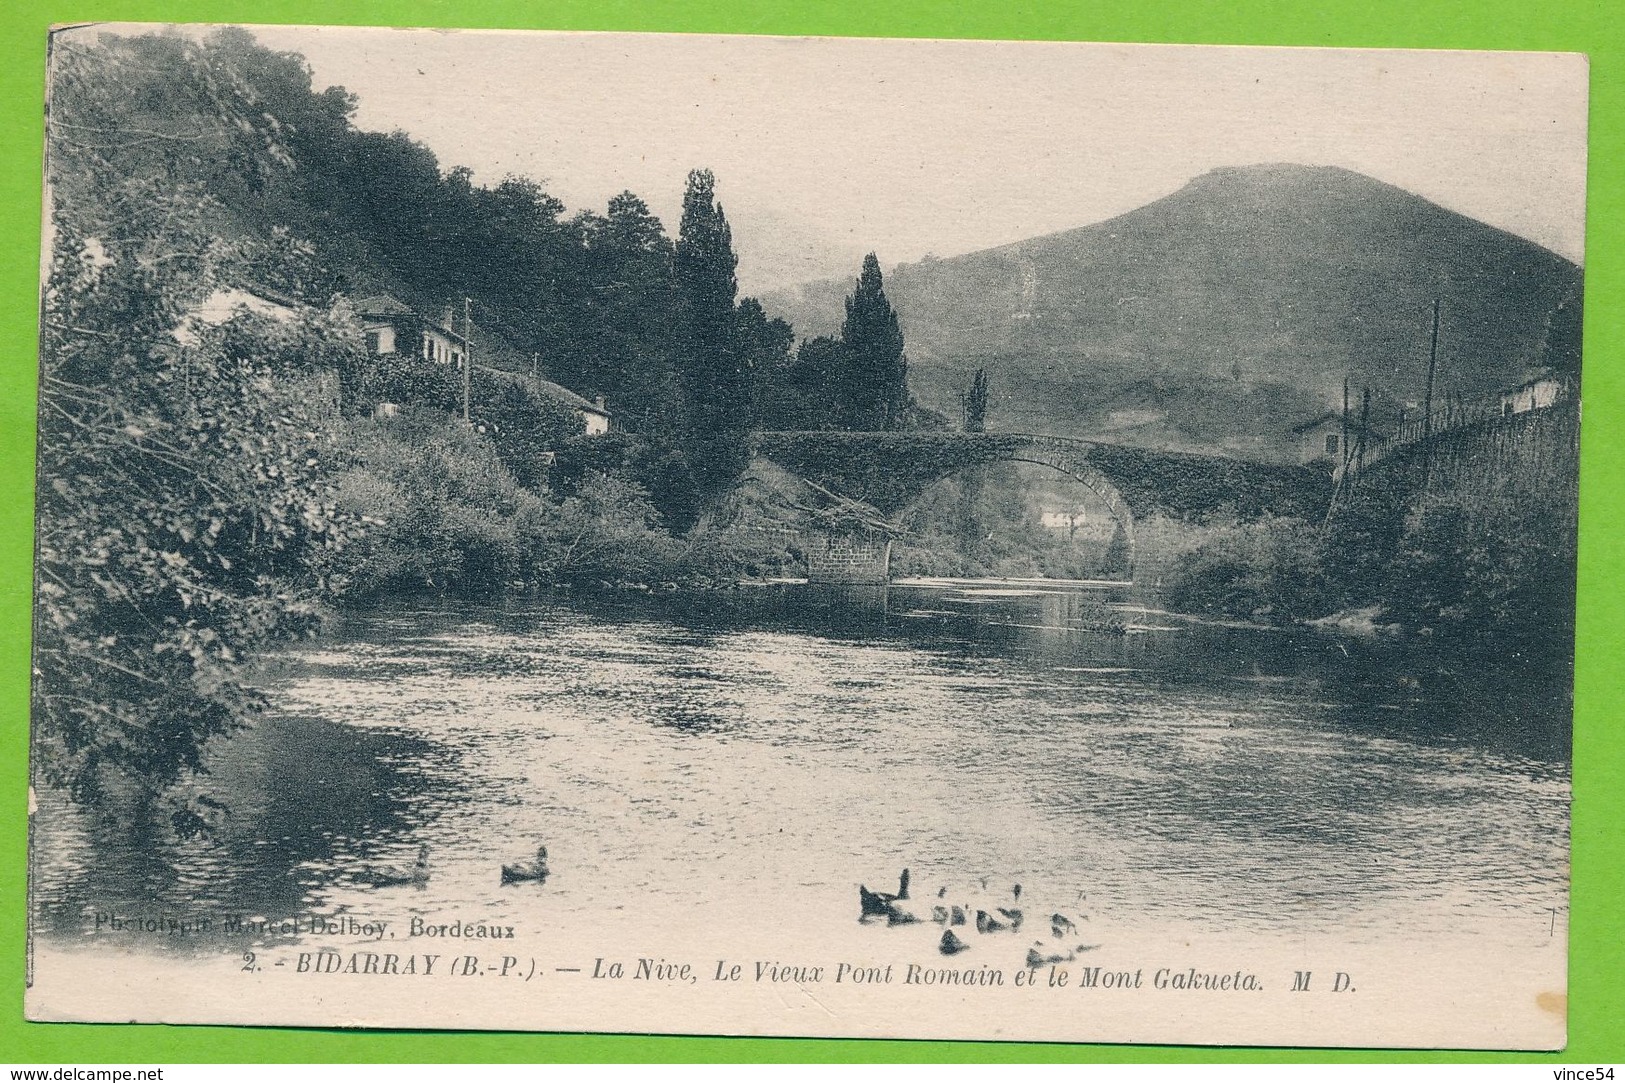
889 471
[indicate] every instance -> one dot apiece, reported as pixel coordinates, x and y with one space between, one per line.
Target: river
742 760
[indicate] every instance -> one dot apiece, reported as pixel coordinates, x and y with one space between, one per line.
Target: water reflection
786 742
1374 687
302 792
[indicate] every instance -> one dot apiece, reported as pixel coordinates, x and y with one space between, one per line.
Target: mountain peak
1293 179
1277 171
1217 317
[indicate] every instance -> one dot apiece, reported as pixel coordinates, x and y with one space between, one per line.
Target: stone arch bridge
889 470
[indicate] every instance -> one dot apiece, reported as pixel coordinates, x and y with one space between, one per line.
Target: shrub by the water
1269 570
1504 580
444 513
607 530
185 509
441 510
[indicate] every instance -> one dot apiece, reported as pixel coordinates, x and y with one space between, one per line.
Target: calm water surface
748 757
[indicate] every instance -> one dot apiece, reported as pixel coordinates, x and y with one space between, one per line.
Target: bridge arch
1057 455
890 471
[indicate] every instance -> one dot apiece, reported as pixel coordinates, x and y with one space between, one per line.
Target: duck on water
394 876
534 872
986 916
873 904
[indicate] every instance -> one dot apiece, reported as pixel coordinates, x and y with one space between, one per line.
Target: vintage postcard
752 536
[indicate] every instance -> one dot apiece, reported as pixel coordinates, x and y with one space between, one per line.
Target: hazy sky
827 148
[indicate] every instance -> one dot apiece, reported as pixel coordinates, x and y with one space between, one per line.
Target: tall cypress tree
973 404
715 372
632 307
876 391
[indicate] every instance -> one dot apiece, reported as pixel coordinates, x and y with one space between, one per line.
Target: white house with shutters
396 328
393 327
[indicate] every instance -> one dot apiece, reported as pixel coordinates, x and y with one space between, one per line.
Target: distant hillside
1217 317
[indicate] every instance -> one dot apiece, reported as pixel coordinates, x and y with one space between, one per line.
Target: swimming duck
537 871
394 877
1035 957
1012 913
879 904
986 923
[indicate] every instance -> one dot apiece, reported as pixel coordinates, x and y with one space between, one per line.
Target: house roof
382 304
385 306
554 391
564 394
1330 415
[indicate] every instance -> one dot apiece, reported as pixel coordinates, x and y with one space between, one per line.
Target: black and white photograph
682 534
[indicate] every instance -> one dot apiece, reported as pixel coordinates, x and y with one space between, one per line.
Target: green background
1597 922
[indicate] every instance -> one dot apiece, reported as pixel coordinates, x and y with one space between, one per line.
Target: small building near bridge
593 413
1320 439
1536 394
395 328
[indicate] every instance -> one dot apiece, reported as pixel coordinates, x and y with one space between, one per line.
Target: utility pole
1345 447
1433 360
468 353
1365 420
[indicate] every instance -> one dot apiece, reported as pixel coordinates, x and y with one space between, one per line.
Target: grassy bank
442 512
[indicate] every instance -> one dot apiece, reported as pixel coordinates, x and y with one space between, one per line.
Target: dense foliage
856 382
442 511
1269 569
873 390
1503 583
713 367
1480 573
185 514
